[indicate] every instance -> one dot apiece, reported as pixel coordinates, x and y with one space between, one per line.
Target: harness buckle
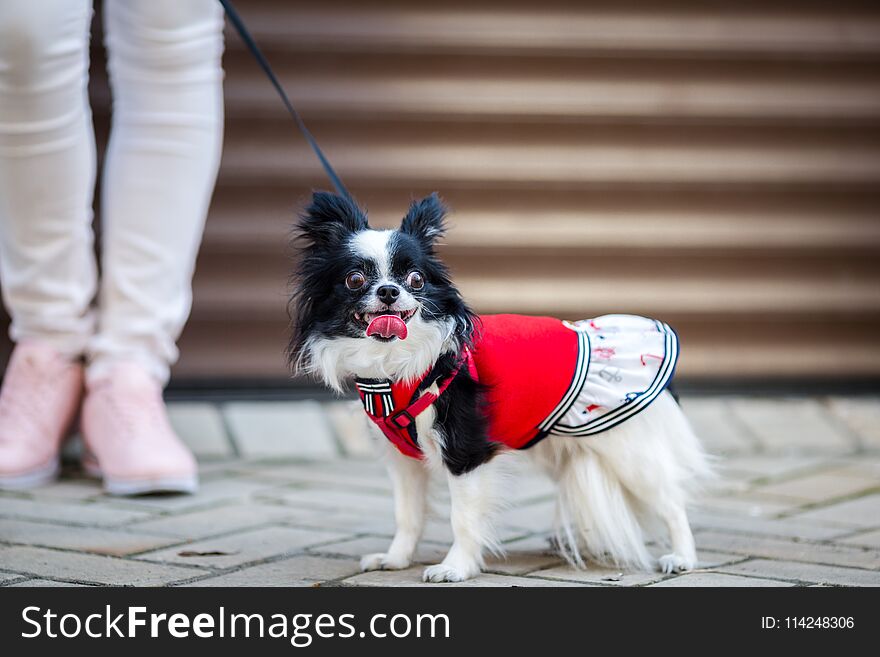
401 419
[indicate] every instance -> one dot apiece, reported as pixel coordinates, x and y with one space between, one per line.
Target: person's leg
161 164
47 171
47 268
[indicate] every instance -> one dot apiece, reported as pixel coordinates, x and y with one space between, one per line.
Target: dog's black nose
388 293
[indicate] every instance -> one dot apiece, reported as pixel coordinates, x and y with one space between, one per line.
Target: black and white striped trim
373 388
615 417
577 382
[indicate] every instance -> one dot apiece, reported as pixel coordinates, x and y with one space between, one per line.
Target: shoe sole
130 487
38 476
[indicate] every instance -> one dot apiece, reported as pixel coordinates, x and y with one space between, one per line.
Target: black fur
425 220
330 217
323 306
461 417
321 234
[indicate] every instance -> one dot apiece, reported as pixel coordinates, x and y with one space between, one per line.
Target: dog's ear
329 217
425 219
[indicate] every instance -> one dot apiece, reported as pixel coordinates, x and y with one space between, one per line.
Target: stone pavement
292 496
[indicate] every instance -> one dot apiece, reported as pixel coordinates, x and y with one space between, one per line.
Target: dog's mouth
385 325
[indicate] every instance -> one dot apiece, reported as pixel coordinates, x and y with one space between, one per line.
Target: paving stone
439 529
352 430
200 426
43 583
69 514
83 539
530 489
213 469
6 578
213 492
349 468
821 486
293 523
861 415
598 575
783 527
865 464
774 548
349 522
94 568
522 563
368 477
68 490
805 572
725 484
859 512
413 577
869 539
334 499
244 547
281 429
217 520
537 517
792 425
538 545
757 467
426 553
707 558
716 426
746 504
533 543
718 580
302 570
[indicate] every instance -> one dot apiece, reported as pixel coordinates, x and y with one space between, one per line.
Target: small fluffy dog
453 391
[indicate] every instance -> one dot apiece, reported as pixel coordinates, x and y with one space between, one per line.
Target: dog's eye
415 280
355 280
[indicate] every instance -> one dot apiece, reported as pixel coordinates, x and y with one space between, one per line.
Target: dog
447 390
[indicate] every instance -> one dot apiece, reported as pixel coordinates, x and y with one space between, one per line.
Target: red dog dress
543 376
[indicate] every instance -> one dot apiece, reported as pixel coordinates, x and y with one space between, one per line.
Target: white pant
160 168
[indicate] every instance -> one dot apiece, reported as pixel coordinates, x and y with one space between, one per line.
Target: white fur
613 489
373 245
409 480
475 500
336 359
616 485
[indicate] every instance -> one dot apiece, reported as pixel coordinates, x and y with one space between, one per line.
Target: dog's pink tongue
387 326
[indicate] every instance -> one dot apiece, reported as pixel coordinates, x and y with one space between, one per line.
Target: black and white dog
455 392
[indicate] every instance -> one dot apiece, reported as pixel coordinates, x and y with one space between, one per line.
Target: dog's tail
595 512
609 488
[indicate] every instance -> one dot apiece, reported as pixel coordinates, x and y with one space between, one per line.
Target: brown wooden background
714 164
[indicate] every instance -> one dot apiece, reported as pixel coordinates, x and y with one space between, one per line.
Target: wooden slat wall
715 164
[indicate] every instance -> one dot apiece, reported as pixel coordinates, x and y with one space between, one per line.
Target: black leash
249 41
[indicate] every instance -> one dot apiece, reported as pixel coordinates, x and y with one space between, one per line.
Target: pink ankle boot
41 393
130 441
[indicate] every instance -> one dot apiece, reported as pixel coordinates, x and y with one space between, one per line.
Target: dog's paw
442 572
675 563
383 561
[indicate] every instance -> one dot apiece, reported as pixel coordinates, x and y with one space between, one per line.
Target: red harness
378 399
